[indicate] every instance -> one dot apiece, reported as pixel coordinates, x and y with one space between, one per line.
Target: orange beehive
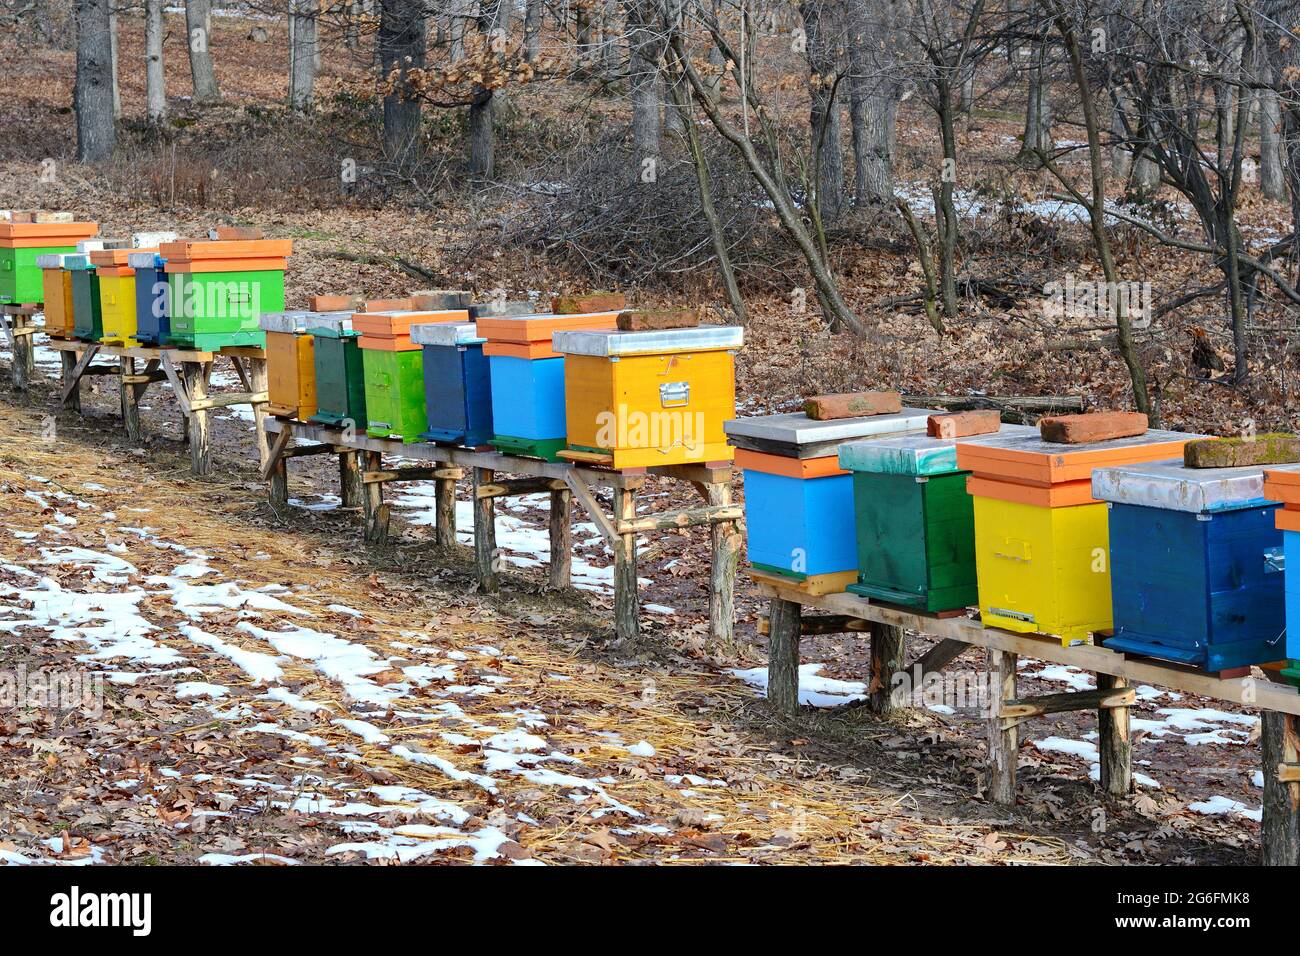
391 331
529 336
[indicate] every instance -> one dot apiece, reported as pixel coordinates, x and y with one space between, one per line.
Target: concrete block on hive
962 424
591 302
501 307
151 240
1092 426
438 300
1271 449
824 408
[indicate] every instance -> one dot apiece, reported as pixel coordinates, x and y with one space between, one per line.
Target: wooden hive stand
18 332
564 482
1116 673
189 373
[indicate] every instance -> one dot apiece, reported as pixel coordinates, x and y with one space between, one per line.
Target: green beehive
914 522
212 310
340 376
395 394
87 319
20 277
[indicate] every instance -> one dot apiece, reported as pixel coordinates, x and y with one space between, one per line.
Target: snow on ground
814 690
96 605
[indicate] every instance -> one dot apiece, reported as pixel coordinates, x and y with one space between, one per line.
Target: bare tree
824 26
645 45
401 42
493 25
304 48
93 91
876 87
155 90
198 26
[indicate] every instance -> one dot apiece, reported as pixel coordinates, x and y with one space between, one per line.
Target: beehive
391 331
291 362
914 521
56 285
457 393
218 289
117 300
798 501
1195 564
152 312
1041 538
87 320
20 245
1283 485
394 371
340 375
527 379
638 399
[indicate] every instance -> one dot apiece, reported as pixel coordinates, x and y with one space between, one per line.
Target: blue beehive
527 405
1195 564
458 397
152 312
798 501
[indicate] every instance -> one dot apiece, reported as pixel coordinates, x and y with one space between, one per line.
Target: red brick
1093 426
641 320
852 405
962 424
333 303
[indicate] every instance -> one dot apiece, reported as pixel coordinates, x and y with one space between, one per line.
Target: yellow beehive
641 399
117 295
56 285
1042 542
291 362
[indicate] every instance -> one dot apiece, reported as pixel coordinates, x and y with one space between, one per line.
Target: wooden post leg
785 619
69 362
1004 744
724 541
351 493
195 375
1280 829
278 484
887 648
1114 745
257 382
376 509
560 574
485 535
444 510
130 398
21 365
627 624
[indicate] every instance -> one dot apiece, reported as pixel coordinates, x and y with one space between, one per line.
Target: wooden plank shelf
189 373
562 481
1279 704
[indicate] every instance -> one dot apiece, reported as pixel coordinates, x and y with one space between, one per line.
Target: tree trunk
493 15
1038 112
824 116
645 47
1272 180
112 39
402 29
93 90
533 12
155 90
198 25
874 95
456 22
303 48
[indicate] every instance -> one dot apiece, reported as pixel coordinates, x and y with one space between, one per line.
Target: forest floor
272 688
